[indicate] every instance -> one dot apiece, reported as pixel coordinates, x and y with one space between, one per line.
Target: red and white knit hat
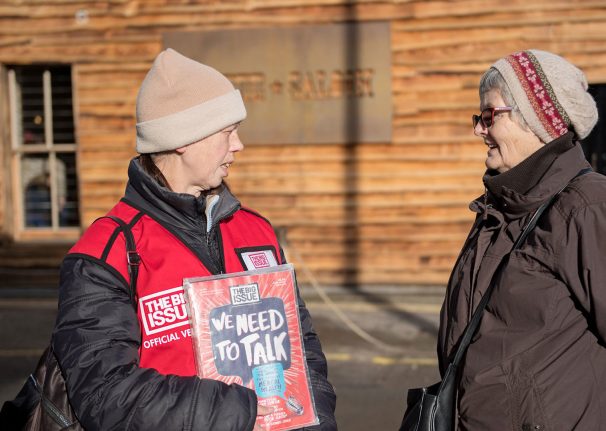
550 92
181 102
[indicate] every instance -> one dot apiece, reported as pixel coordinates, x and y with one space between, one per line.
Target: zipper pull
486 205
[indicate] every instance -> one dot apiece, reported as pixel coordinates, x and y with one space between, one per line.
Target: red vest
248 242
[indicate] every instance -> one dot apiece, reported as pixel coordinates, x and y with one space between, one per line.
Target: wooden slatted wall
365 214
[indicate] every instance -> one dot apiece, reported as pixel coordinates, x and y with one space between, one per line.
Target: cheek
503 138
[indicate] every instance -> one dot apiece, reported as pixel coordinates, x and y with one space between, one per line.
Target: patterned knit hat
550 92
181 102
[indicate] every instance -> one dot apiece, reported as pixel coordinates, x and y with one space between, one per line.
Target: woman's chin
493 163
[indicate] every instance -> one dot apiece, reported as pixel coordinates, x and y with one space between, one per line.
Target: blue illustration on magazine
269 380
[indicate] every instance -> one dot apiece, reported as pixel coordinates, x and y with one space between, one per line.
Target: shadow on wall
350 182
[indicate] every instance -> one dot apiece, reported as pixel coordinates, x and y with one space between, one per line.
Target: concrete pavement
371 378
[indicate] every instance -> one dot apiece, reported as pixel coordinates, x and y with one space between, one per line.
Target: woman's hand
261 412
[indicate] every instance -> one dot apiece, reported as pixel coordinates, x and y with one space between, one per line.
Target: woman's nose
235 142
479 129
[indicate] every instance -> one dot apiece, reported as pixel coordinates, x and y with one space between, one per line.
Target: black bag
433 408
42 404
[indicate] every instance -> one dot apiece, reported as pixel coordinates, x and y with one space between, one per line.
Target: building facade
392 212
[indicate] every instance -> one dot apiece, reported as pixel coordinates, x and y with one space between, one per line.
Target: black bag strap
473 324
132 256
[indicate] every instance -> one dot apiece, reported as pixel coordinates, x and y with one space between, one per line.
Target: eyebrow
231 128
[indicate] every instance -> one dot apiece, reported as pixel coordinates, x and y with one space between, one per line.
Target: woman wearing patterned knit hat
129 364
537 359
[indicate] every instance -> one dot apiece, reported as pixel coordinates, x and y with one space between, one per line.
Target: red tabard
249 242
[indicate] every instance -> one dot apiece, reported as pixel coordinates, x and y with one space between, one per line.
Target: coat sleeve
324 393
96 340
583 259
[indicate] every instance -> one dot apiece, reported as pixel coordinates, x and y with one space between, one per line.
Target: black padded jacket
97 336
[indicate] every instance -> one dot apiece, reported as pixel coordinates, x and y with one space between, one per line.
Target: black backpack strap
132 256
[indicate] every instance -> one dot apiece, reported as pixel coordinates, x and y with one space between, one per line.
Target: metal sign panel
306 84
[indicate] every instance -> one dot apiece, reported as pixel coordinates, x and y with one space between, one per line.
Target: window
594 145
44 177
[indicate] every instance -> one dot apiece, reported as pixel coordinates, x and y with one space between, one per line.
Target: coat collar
178 209
523 188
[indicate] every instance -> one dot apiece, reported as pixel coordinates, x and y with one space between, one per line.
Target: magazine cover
246 330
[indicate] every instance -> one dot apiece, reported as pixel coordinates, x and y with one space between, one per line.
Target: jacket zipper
49 407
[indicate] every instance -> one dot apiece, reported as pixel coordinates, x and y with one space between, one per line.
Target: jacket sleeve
584 261
96 340
324 393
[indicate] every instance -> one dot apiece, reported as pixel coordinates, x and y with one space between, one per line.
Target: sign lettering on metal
306 84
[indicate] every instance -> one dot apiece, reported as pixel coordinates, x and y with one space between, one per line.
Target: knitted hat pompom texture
182 101
550 92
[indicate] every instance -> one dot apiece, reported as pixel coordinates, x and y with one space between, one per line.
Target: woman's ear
181 150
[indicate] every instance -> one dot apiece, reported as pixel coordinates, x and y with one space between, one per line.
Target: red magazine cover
246 330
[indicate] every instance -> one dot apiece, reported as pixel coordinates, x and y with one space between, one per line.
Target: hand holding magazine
246 330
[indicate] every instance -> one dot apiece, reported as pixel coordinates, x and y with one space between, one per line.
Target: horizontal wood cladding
391 213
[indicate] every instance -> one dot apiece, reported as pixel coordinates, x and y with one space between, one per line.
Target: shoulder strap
132 257
473 324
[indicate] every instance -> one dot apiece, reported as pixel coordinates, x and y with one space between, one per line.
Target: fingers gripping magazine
246 330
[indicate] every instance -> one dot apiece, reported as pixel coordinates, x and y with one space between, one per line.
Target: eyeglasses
486 117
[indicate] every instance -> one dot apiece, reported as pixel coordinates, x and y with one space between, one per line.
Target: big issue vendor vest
247 242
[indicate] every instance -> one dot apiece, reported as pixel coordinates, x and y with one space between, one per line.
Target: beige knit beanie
550 92
181 102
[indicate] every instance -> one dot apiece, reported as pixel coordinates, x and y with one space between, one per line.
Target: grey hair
493 80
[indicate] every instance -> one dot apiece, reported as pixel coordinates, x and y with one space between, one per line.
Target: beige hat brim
191 125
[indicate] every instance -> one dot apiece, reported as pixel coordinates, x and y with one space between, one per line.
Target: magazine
246 330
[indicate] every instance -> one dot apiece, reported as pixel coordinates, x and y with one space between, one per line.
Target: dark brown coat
538 360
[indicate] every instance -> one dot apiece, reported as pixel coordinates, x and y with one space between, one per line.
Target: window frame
17 150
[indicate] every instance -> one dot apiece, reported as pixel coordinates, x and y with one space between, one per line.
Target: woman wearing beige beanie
128 362
537 359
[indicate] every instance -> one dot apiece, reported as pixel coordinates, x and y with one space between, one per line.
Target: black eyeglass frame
475 119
